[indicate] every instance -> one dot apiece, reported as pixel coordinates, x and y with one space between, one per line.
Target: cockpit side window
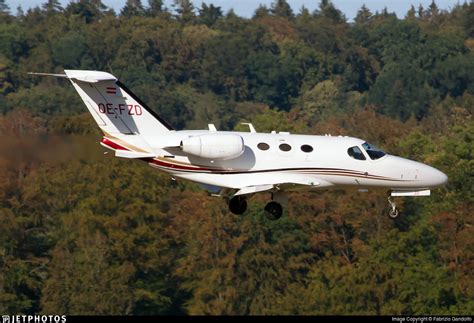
356 153
373 152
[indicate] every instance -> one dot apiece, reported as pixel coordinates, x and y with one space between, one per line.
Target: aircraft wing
254 189
289 182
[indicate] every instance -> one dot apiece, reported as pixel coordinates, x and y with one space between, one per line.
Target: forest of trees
85 233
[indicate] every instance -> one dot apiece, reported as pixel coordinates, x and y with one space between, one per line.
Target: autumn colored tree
84 233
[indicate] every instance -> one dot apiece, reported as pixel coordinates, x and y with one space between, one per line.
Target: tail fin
114 107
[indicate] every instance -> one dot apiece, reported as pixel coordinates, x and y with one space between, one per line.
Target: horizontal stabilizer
90 76
133 154
83 76
47 74
411 193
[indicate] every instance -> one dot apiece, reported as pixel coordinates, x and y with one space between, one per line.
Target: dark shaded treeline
84 233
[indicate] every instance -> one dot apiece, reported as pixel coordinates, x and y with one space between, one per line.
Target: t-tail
114 107
118 112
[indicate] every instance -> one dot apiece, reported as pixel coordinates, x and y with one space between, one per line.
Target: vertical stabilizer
115 109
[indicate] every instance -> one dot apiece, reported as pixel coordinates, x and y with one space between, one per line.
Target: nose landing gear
392 210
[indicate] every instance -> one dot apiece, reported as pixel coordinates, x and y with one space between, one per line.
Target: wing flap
278 183
254 189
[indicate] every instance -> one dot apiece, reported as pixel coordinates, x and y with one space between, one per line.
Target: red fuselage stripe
112 144
174 166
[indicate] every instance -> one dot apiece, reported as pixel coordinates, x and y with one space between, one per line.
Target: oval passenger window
263 146
285 147
307 148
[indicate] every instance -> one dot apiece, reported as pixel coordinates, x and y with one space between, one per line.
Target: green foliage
52 6
269 120
86 11
69 51
281 8
13 43
454 75
5 78
43 101
402 95
155 7
4 8
249 261
132 8
209 15
457 158
185 10
82 233
323 97
363 15
395 279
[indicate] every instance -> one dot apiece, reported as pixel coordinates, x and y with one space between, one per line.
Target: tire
238 205
273 211
393 213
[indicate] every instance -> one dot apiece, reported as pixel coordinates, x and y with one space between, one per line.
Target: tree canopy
84 233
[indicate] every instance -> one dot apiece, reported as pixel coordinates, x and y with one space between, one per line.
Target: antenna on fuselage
251 127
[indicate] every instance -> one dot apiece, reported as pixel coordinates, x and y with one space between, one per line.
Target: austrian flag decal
112 90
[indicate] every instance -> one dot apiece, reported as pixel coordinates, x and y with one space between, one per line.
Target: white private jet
244 163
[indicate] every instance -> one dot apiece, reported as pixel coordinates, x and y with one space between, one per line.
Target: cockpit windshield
373 152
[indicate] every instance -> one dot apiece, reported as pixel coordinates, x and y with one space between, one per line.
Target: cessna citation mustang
244 163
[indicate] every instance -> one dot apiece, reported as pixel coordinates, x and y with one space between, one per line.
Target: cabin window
307 148
356 153
285 147
373 152
263 146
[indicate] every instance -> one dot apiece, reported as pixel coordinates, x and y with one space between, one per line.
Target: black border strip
146 107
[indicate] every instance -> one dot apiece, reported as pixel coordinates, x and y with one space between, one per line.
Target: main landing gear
392 210
238 204
273 210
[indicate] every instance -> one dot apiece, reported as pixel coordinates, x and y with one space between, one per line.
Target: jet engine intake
214 146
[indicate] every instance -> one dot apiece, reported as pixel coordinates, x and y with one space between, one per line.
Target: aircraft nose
434 177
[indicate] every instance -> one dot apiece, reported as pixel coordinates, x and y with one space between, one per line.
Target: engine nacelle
214 146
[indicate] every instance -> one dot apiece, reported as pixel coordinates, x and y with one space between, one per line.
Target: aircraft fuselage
326 162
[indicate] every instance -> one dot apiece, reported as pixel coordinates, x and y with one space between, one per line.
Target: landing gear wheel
392 212
238 205
273 210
